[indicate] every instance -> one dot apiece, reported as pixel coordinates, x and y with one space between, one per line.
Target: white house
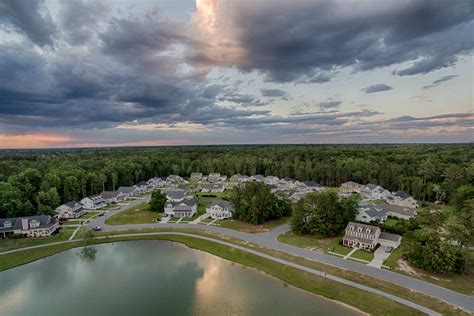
129 191
214 177
220 210
257 178
403 199
113 196
172 178
29 226
212 187
183 208
371 213
196 176
93 202
351 187
375 192
271 180
71 209
155 182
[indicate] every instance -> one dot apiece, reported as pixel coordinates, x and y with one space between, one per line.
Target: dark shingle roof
44 220
402 194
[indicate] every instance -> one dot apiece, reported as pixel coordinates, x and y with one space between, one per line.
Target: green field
308 241
364 255
10 244
250 228
139 214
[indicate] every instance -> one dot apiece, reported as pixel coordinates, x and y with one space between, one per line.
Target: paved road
269 240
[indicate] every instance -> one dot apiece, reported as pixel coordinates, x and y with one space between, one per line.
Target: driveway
380 255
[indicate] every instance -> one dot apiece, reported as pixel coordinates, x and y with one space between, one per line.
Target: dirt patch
405 267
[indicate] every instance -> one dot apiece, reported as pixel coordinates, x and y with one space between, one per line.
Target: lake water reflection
150 278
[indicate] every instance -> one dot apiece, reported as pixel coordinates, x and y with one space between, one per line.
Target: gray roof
402 194
44 220
71 204
406 211
375 211
141 184
391 237
109 194
373 229
259 177
371 186
126 190
222 203
175 194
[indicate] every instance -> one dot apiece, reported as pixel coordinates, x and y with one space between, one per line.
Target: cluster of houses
397 204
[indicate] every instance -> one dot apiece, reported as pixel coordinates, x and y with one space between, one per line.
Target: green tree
48 201
253 203
323 214
157 201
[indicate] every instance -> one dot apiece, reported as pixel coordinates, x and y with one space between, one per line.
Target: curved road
269 240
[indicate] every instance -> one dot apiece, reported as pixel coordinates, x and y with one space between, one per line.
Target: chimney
24 224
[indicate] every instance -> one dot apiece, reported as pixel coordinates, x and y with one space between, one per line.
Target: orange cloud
34 140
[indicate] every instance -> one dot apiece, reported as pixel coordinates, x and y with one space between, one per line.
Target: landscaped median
355 297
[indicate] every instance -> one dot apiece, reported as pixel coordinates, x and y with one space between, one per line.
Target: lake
150 278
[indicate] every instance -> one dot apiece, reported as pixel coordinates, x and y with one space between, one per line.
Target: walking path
200 218
210 223
350 253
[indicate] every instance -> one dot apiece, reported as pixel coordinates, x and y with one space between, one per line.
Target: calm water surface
150 278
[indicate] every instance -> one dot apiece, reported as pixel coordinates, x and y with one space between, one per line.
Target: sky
80 73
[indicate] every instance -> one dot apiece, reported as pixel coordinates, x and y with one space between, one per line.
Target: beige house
69 210
367 237
351 187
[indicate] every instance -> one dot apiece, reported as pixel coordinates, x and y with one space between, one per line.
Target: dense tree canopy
255 204
323 214
157 201
428 172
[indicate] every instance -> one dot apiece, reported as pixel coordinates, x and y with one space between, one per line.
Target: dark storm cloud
296 40
30 18
439 81
376 88
78 19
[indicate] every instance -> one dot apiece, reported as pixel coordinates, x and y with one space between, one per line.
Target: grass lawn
89 215
207 220
391 261
10 244
203 203
250 228
109 208
391 222
218 195
139 214
173 220
69 223
307 241
364 255
340 249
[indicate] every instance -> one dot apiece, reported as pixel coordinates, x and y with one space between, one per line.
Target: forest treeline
34 181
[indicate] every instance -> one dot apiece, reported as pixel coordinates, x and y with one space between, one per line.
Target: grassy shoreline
24 257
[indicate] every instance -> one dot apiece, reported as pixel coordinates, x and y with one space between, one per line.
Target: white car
97 228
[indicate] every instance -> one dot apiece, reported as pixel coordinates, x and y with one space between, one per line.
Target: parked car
389 249
97 228
101 214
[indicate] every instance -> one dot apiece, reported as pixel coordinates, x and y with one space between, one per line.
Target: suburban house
175 195
367 237
29 226
214 177
398 211
129 191
220 210
155 182
93 202
312 186
257 178
142 187
288 183
238 178
351 187
113 196
196 176
372 212
71 209
271 180
375 192
172 178
402 198
212 187
183 208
